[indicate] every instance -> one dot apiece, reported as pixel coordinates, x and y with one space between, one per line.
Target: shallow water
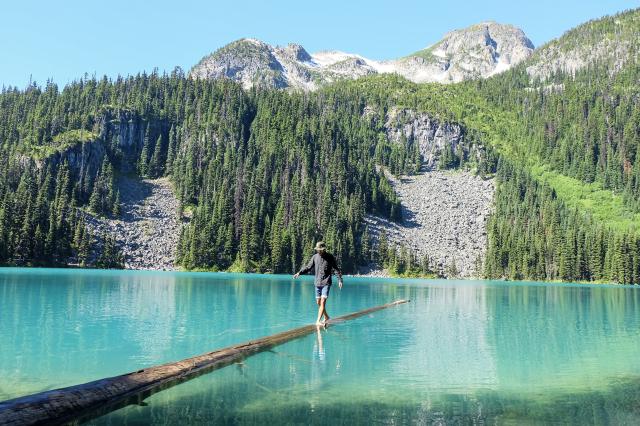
461 352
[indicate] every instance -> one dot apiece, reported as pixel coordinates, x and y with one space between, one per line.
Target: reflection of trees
227 399
71 326
386 368
558 336
422 362
448 349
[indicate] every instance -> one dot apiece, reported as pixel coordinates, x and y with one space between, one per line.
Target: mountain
478 51
531 174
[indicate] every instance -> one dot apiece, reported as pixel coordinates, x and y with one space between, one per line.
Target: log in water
96 398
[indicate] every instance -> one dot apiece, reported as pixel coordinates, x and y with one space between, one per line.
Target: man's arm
334 265
338 270
306 268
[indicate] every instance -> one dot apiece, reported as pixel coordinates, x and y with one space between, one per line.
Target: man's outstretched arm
305 269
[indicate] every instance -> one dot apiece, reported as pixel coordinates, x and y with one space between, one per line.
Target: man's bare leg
320 310
324 307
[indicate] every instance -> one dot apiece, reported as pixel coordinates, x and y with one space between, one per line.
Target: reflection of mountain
448 349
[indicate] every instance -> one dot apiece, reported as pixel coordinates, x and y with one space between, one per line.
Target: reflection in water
319 347
555 337
442 318
461 352
81 325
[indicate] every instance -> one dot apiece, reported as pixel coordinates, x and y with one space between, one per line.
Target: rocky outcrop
557 58
444 213
444 216
83 158
121 127
123 131
255 63
148 230
117 133
431 135
478 51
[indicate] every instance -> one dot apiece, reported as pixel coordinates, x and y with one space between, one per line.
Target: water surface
460 352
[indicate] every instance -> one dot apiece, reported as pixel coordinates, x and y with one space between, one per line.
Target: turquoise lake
462 352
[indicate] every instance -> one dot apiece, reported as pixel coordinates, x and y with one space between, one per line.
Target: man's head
321 247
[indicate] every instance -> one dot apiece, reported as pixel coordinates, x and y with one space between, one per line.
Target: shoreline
357 276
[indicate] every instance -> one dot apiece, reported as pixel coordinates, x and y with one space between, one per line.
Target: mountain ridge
478 51
587 44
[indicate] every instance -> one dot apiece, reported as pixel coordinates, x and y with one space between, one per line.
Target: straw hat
320 246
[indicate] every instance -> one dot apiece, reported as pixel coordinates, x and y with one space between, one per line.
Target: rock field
148 229
444 216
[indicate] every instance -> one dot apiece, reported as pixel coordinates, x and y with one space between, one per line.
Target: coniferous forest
263 174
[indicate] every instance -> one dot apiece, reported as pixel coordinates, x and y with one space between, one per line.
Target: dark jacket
322 264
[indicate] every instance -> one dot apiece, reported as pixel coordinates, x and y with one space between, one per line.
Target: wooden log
93 399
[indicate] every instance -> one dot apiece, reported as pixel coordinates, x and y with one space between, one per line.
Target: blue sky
63 40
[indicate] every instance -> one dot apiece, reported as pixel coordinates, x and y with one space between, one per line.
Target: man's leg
320 301
323 297
321 310
323 302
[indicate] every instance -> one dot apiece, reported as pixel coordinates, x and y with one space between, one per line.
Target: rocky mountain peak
478 51
297 52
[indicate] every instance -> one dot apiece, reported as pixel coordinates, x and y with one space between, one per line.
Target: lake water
462 352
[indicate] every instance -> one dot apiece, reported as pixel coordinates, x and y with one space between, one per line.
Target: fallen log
93 399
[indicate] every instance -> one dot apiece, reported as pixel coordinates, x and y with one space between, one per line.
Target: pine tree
116 209
155 168
143 161
171 151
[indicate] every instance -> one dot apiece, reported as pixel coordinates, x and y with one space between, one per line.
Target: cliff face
148 228
123 132
119 133
82 151
431 135
122 128
478 51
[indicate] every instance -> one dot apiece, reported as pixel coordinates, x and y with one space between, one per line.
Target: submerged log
93 399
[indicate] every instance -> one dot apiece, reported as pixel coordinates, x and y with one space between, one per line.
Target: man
323 264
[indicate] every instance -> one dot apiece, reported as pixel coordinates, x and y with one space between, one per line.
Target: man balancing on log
323 263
